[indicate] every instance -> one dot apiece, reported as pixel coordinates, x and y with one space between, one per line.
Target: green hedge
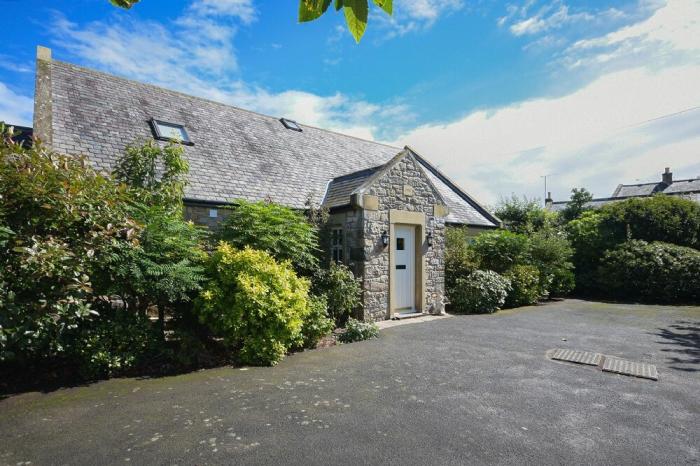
651 272
482 291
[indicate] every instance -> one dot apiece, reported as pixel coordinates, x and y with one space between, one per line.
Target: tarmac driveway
467 389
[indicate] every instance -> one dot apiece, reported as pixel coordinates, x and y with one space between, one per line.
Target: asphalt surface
462 390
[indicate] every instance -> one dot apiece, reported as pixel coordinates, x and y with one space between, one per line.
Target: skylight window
290 124
170 131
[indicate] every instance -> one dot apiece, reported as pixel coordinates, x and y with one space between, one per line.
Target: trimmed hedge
651 272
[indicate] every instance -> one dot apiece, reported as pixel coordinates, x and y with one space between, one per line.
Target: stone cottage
388 206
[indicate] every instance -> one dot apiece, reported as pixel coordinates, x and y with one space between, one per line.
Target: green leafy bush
114 344
482 291
500 250
524 285
356 330
523 215
254 303
341 288
279 230
317 324
669 219
460 258
550 251
651 272
60 221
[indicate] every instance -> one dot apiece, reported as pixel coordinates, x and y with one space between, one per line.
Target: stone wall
404 187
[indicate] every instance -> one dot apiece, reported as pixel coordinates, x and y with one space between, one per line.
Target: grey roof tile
236 153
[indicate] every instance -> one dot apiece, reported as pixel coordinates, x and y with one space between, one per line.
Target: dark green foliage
481 292
576 205
460 258
317 324
550 251
342 290
356 330
279 230
500 250
524 285
114 344
60 220
523 215
651 272
670 219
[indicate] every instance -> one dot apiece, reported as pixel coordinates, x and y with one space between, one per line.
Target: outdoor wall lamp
429 239
385 238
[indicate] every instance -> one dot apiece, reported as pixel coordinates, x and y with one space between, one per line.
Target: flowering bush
356 330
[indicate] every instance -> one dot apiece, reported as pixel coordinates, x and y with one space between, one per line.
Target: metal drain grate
579 357
635 369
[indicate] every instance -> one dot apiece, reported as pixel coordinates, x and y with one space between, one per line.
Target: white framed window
337 245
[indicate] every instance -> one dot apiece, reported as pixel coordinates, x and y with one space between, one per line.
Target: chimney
549 201
42 96
667 176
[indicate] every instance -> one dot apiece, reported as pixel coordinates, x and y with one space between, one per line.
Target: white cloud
15 109
670 33
597 136
241 9
198 58
412 15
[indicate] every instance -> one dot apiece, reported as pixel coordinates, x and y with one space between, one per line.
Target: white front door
404 268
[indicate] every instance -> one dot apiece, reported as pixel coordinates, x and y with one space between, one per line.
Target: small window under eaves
166 131
290 124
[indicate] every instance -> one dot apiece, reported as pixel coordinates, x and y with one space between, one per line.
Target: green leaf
386 5
126 4
310 10
338 5
356 17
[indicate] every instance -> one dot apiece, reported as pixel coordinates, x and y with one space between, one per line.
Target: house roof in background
23 134
235 153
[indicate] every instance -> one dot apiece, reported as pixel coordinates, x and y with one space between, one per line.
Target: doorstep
418 318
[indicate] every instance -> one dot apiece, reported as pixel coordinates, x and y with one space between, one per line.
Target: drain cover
579 357
635 369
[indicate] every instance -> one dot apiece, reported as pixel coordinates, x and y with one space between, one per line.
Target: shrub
524 215
279 230
500 250
317 324
669 219
524 285
651 272
589 243
551 253
460 258
341 288
576 205
61 220
112 345
356 330
254 303
483 291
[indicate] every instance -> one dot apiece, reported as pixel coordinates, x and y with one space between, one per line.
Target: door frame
417 220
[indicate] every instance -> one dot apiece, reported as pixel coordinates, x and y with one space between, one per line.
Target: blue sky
496 93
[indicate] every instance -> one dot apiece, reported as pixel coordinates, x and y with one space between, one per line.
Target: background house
689 188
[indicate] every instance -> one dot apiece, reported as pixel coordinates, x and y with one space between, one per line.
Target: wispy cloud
244 10
198 58
413 15
627 123
15 109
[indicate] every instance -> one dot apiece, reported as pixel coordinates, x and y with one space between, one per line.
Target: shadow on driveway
683 345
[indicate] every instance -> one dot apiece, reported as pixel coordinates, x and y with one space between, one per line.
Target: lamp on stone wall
429 239
385 238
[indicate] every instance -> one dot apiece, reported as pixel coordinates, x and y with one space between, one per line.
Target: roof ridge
130 80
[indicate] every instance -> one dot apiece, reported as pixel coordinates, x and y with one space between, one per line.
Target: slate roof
236 153
23 134
342 187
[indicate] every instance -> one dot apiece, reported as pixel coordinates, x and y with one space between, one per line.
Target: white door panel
404 268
